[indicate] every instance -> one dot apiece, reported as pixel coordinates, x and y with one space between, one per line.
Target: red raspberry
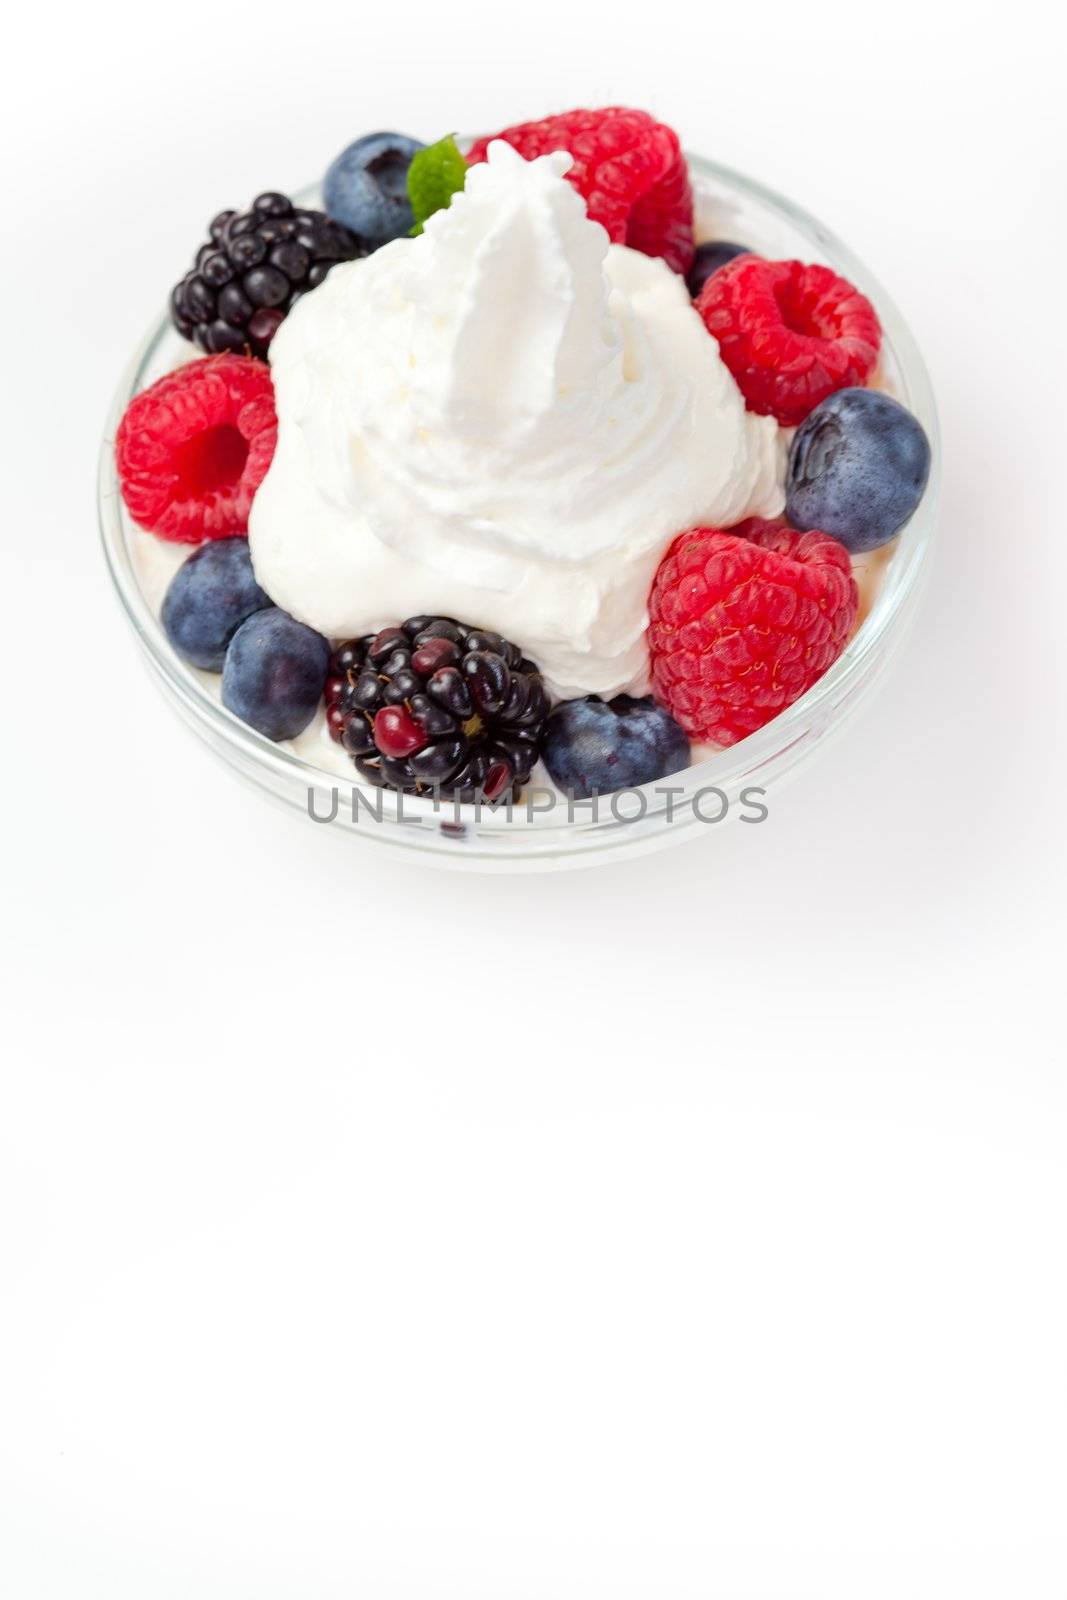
741 624
193 449
628 168
790 334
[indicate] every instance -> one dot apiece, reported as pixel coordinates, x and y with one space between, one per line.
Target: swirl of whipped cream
505 420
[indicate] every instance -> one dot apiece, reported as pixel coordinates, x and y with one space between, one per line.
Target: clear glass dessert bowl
542 830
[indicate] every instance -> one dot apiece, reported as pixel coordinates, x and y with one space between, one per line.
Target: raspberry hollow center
795 315
802 310
214 459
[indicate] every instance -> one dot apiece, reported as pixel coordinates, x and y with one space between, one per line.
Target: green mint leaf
434 176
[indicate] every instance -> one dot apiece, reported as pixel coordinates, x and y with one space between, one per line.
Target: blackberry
437 705
253 270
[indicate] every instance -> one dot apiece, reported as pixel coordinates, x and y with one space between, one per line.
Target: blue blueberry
708 259
597 746
208 599
366 188
857 468
274 673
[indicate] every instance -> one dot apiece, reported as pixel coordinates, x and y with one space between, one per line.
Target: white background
693 1227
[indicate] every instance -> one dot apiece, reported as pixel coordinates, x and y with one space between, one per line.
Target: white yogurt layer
506 420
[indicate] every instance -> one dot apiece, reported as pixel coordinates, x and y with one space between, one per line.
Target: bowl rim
769 752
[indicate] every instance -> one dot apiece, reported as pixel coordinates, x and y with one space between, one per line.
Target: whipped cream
506 419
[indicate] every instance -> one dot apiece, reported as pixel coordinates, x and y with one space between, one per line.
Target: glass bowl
543 831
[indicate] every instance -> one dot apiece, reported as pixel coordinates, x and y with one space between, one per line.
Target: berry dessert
513 464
